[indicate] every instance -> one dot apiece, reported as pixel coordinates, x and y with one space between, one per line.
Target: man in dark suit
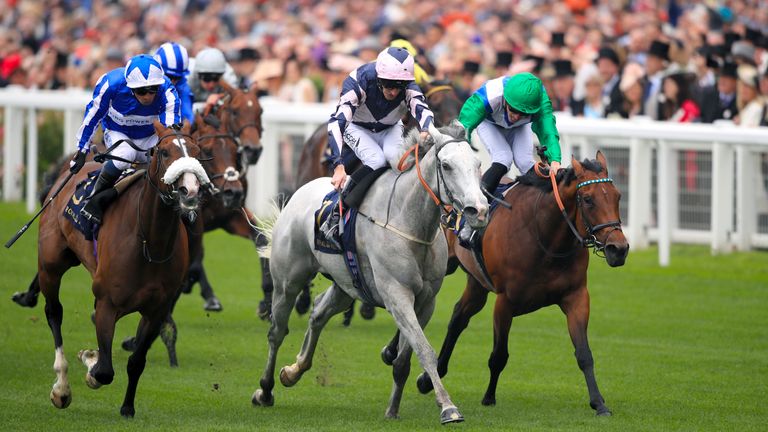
655 65
719 101
608 65
562 89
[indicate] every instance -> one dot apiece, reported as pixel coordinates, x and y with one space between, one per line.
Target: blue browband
589 182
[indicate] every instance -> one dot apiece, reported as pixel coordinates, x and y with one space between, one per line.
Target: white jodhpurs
375 149
125 151
508 145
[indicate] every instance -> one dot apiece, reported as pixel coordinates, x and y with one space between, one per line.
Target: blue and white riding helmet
174 59
143 71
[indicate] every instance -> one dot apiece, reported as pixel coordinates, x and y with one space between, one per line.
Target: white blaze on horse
402 257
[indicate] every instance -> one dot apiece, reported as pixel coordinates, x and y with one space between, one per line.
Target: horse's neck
412 205
552 227
156 221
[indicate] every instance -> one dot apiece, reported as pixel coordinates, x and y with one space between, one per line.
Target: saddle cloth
347 241
78 201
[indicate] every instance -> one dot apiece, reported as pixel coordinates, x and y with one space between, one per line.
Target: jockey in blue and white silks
175 62
368 119
126 101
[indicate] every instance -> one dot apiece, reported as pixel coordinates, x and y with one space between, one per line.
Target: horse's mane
454 130
566 175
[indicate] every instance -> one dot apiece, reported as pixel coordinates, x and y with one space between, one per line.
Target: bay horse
314 160
224 209
536 257
404 276
139 263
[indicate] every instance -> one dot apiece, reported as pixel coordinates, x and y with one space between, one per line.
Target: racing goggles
210 77
392 84
141 91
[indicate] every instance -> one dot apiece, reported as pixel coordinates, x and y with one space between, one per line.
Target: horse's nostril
183 191
470 212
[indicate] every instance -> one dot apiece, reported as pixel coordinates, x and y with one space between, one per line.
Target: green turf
677 348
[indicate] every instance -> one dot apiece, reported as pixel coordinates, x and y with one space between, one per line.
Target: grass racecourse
677 348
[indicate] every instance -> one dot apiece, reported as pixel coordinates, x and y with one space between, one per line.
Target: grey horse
402 255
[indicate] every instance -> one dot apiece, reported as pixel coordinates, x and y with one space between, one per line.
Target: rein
437 89
230 174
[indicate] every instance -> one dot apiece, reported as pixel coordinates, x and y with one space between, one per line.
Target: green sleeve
472 114
545 129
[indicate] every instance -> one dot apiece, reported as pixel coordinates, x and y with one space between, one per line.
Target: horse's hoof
424 383
489 401
391 416
387 356
91 381
303 302
265 310
213 305
260 399
127 411
129 344
603 411
451 415
286 379
22 299
61 399
367 311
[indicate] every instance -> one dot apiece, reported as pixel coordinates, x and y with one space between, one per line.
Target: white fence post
667 182
13 159
747 167
722 196
31 160
639 207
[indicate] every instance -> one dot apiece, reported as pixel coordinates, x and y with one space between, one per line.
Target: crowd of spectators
683 61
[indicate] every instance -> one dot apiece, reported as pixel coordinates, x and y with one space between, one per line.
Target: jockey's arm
543 125
172 113
95 111
472 113
419 109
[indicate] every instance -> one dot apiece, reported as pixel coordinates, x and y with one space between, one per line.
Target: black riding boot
351 197
103 193
468 236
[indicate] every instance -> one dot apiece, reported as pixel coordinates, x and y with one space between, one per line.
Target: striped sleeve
172 113
95 111
417 104
351 95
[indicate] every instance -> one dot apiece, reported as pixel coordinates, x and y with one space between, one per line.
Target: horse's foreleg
576 309
99 363
212 303
502 321
265 306
332 302
401 368
168 334
148 330
389 352
400 303
471 302
28 298
61 393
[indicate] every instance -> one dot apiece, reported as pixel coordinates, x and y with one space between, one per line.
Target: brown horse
141 258
535 257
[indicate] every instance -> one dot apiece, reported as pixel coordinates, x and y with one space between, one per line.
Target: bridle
235 131
230 174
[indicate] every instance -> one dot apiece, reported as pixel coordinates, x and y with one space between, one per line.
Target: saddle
80 198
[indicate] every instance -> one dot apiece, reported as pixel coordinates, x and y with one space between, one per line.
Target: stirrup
468 242
89 216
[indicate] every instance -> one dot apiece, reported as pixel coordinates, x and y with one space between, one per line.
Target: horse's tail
50 175
264 245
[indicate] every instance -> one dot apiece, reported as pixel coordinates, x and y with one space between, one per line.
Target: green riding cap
523 93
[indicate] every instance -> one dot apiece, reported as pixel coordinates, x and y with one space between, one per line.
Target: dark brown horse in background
142 257
314 160
535 257
219 157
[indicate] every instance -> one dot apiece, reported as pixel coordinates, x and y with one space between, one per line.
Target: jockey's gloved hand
77 162
177 126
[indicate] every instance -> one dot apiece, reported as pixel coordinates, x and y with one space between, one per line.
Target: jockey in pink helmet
368 118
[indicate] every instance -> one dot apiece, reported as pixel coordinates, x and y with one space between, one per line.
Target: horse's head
219 157
443 100
244 122
458 173
598 208
175 171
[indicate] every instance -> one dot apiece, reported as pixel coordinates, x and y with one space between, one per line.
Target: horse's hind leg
28 298
212 303
333 301
576 309
401 368
502 321
99 363
470 303
61 393
149 328
265 306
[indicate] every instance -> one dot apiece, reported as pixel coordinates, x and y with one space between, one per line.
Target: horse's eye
164 153
208 153
588 200
446 166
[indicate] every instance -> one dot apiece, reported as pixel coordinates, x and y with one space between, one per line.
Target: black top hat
563 68
558 39
719 50
607 52
730 38
503 59
471 67
729 69
753 35
539 62
659 49
248 53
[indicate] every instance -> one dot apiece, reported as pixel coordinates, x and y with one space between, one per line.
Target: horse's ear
225 85
577 168
603 161
186 128
159 127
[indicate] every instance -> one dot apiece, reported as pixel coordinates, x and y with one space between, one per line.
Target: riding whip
26 226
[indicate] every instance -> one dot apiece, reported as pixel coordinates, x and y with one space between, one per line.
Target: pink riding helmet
395 64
